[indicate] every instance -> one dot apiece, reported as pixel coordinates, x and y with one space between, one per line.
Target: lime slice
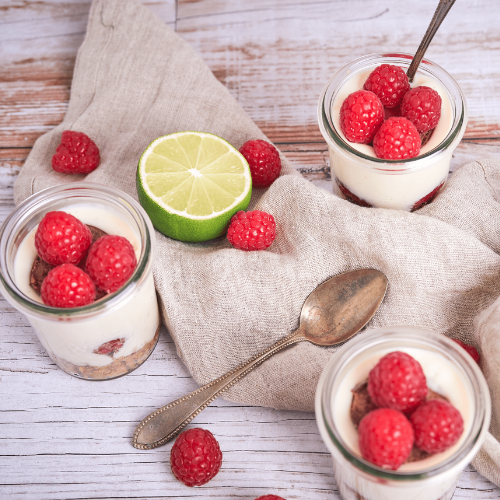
191 184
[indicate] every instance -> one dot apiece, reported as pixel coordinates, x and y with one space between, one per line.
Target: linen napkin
136 80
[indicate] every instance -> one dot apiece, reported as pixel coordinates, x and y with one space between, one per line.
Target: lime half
191 184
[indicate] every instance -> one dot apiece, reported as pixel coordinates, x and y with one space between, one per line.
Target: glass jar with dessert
402 411
390 143
77 260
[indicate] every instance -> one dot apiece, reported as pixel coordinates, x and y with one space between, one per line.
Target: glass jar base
117 368
346 194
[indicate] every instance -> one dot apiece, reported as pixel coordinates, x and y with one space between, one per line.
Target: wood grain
63 438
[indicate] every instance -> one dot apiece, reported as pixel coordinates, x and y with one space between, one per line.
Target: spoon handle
441 11
165 423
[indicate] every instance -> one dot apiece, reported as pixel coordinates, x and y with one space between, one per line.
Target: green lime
191 184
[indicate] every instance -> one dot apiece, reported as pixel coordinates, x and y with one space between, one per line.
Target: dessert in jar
407 184
112 335
450 372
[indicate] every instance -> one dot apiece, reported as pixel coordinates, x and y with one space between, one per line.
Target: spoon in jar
333 312
442 10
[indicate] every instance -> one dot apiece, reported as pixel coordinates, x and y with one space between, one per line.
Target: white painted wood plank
275 60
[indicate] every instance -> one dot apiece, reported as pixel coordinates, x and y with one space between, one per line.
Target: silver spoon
333 312
442 10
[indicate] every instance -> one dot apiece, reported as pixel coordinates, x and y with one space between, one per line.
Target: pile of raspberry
405 417
390 115
80 267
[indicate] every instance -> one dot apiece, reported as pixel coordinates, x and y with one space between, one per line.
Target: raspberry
270 497
385 438
264 161
62 239
397 381
67 286
251 230
195 457
422 106
77 153
110 262
389 83
470 349
437 425
397 139
361 115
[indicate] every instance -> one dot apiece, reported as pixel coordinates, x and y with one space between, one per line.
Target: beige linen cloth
136 80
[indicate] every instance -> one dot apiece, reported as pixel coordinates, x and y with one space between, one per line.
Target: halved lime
191 184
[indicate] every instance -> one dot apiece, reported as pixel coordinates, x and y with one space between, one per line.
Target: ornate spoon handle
442 9
165 423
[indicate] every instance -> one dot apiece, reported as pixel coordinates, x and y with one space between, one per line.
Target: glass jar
115 334
449 370
359 176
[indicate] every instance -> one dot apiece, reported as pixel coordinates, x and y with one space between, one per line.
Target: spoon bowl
341 306
332 313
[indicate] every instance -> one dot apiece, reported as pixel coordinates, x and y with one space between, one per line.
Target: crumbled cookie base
120 366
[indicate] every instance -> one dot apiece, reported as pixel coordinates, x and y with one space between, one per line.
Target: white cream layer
382 189
442 377
135 319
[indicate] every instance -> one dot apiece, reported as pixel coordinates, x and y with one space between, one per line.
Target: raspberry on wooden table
397 139
264 162
270 497
76 154
110 262
361 115
389 83
397 381
195 457
437 425
67 286
62 239
385 438
250 231
422 106
470 349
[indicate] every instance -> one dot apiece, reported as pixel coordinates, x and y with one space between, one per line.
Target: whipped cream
442 377
134 319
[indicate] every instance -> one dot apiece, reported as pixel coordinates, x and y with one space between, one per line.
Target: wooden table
63 438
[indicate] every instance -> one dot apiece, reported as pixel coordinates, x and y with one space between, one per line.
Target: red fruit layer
110 347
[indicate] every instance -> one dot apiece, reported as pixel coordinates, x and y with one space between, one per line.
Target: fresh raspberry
76 154
270 497
110 262
422 106
251 230
195 457
62 239
361 115
470 349
397 381
437 425
264 161
389 83
67 286
385 438
397 139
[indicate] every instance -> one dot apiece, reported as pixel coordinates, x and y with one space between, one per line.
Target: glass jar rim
371 338
36 204
330 133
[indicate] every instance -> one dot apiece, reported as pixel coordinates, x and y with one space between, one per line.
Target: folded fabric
136 80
